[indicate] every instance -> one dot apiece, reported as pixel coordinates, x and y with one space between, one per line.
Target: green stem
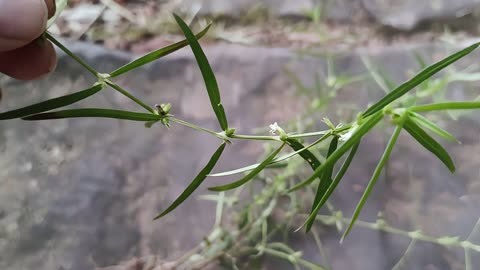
414 235
321 249
308 134
289 257
468 259
254 137
71 54
193 126
447 106
401 264
375 176
130 96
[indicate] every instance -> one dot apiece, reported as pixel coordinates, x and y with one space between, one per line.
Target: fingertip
30 62
22 21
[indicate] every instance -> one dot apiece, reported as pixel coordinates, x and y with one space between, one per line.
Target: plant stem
375 176
71 54
414 235
130 96
402 262
254 137
242 137
309 134
193 126
289 257
321 249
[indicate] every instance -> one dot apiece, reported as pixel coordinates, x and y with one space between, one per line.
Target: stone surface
338 10
399 14
406 14
79 194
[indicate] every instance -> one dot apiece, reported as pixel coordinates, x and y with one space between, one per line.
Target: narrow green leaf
373 180
325 182
465 105
197 181
250 175
332 187
418 79
355 138
424 122
152 56
51 104
94 112
207 73
429 143
305 154
274 161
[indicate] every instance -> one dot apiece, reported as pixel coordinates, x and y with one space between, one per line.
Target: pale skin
22 54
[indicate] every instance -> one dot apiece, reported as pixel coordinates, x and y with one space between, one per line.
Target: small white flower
274 128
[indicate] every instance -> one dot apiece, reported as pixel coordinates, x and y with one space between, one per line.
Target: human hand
22 55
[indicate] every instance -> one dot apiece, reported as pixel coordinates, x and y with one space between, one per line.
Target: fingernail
52 7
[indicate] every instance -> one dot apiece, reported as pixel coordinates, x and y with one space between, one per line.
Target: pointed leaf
373 180
418 79
197 181
51 104
305 154
250 175
207 73
332 187
424 122
355 138
274 161
325 182
150 57
465 105
429 143
94 112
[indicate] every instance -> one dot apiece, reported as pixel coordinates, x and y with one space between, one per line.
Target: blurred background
81 194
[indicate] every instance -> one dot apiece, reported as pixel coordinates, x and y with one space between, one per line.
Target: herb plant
344 138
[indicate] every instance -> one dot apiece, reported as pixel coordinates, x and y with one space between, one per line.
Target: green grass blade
152 56
94 112
424 122
466 105
196 182
305 154
325 182
418 79
373 180
51 104
429 143
250 175
207 73
363 129
420 61
274 161
332 187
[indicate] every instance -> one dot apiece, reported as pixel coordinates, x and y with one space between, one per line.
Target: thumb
22 21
